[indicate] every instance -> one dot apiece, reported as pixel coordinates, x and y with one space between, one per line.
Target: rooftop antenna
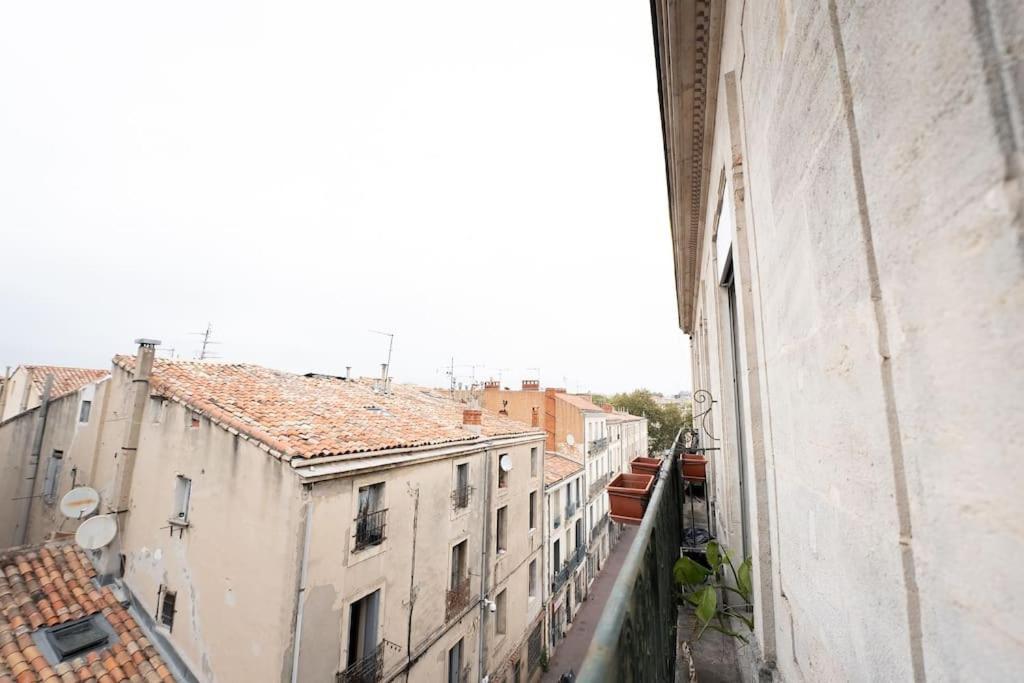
205 353
391 343
500 371
536 371
169 352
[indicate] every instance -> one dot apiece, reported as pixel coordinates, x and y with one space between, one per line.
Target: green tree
663 421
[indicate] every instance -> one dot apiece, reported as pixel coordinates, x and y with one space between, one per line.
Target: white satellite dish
79 503
96 532
570 439
505 463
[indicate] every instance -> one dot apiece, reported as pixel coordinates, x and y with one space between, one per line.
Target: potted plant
702 584
628 495
643 465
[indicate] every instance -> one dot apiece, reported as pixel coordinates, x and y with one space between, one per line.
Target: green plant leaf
708 604
744 581
714 555
688 572
692 598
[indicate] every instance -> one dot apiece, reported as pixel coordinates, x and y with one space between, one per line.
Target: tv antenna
536 371
204 352
391 343
500 371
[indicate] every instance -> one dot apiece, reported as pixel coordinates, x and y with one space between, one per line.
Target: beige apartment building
45 450
274 526
845 195
565 544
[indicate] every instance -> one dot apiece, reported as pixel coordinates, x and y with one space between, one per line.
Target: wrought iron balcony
598 445
599 527
460 496
556 522
568 567
370 528
635 638
598 485
570 508
456 600
369 669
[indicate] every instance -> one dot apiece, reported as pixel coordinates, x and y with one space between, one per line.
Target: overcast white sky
483 179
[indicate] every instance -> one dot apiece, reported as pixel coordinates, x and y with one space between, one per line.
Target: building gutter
34 456
300 592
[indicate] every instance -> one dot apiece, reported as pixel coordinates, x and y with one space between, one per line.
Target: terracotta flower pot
628 495
645 466
694 467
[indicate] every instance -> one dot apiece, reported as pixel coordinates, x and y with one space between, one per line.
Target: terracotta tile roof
307 417
65 380
558 467
581 402
47 585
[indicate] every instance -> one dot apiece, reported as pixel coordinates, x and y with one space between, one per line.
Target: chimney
535 417
348 372
608 408
531 385
126 456
492 384
471 419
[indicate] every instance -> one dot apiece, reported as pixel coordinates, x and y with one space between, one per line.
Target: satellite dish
570 439
79 503
96 532
505 463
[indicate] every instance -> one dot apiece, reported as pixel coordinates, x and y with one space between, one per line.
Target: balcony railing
457 600
570 509
598 445
635 638
369 669
460 496
598 484
370 529
556 522
567 568
598 527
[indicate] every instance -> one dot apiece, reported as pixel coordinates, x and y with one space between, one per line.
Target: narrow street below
570 651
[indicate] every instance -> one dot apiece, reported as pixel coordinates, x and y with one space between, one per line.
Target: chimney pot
491 384
531 385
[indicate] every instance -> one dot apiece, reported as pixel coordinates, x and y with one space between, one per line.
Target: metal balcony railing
456 600
370 528
598 485
460 496
598 445
369 669
598 527
567 568
570 509
556 522
635 638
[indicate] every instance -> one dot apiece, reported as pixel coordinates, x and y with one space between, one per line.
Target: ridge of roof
296 416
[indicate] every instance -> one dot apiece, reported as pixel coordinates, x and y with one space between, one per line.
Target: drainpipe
37 449
301 592
415 492
485 544
128 452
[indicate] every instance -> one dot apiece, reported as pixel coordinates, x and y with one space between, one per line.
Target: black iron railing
557 521
570 508
598 445
369 669
370 528
456 600
568 567
598 484
635 639
599 527
460 496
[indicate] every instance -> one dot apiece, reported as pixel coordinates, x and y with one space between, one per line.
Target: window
364 619
459 553
77 637
156 405
455 663
533 578
533 510
533 461
502 474
460 496
52 477
557 555
370 518
502 532
167 602
83 412
182 493
500 614
579 533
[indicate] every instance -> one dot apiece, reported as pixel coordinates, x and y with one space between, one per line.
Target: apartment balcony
599 484
635 638
599 527
369 669
598 445
456 600
461 495
370 529
567 568
571 508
